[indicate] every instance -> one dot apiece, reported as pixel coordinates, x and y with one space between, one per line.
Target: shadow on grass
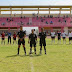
23 55
11 56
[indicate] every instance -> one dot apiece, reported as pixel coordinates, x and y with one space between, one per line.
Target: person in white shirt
70 37
53 37
64 37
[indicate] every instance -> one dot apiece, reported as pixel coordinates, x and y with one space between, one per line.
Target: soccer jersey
9 34
3 35
64 34
32 37
21 34
59 34
42 36
14 35
52 34
70 34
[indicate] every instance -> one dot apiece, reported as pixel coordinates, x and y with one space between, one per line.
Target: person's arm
39 35
18 35
29 39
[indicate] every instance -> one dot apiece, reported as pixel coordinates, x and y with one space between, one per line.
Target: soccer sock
40 50
13 42
45 49
30 50
54 41
65 41
4 42
1 42
35 49
25 50
18 50
51 41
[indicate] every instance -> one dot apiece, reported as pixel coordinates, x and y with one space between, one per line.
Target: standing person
70 37
3 37
21 39
9 37
64 37
42 36
32 40
53 37
14 37
59 37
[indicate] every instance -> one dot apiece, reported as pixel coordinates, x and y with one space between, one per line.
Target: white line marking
31 63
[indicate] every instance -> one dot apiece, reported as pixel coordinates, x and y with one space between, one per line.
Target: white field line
31 64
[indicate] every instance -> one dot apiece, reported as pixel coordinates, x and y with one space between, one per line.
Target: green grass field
58 58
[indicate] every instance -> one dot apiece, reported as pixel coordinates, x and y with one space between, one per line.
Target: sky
34 2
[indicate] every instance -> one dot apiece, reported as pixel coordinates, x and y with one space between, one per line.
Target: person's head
42 29
3 32
63 31
70 31
9 31
59 31
32 31
21 28
14 32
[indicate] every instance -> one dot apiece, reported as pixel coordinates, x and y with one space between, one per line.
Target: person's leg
41 49
52 40
13 41
10 40
18 49
1 41
44 44
4 41
45 49
65 40
30 48
35 48
24 49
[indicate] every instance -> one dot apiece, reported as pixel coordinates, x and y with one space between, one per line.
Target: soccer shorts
59 38
14 38
21 42
32 44
53 37
43 43
64 37
3 38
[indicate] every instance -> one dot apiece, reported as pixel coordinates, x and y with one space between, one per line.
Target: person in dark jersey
59 37
42 36
32 40
21 39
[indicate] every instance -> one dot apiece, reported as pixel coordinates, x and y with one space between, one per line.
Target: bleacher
35 21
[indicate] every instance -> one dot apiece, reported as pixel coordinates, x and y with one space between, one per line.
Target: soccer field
58 58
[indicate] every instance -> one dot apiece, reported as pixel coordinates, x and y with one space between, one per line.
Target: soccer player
9 37
59 37
14 37
70 37
42 36
21 39
64 37
3 37
32 40
53 37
